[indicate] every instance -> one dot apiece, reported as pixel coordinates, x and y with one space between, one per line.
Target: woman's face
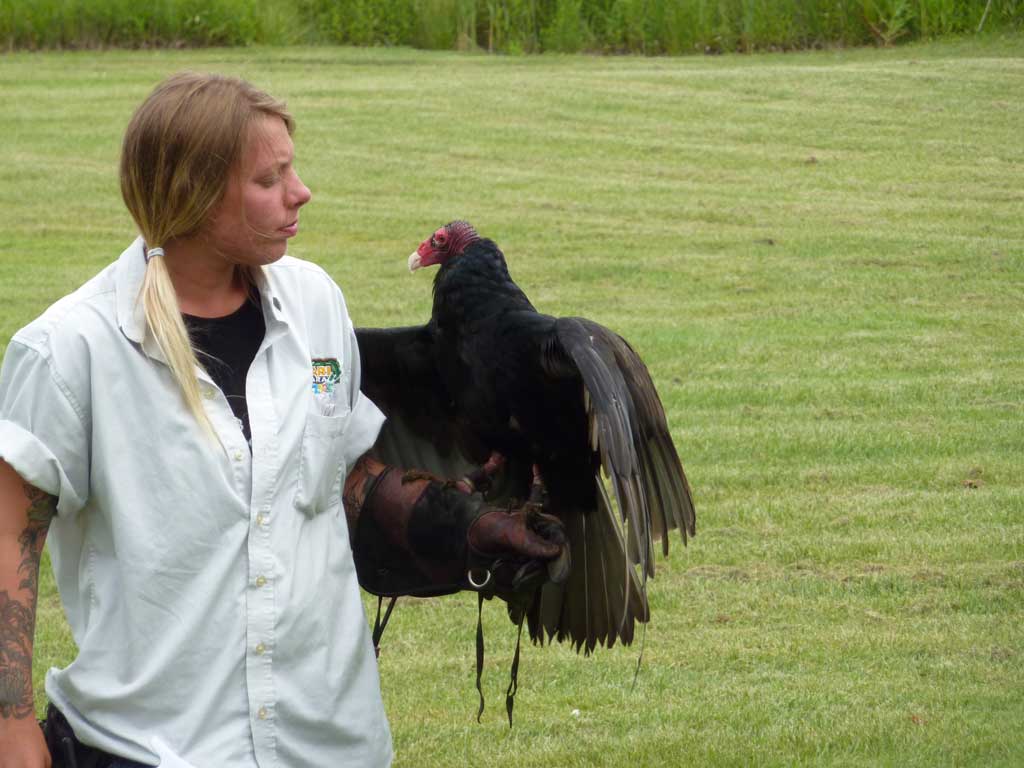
260 209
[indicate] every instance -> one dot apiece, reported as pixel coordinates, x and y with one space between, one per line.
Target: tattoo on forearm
41 510
17 614
17 623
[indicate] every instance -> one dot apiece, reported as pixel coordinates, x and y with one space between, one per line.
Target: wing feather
602 599
647 488
636 448
399 374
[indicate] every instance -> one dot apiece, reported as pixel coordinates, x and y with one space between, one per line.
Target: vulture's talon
482 478
412 475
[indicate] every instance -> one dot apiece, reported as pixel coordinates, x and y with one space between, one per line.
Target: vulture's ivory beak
414 261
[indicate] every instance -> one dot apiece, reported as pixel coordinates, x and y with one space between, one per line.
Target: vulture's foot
481 478
558 569
412 475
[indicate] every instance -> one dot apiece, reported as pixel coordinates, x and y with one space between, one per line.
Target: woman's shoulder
86 312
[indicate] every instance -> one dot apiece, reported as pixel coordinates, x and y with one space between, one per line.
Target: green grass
820 255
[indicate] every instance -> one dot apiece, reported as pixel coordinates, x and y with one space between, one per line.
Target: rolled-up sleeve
43 436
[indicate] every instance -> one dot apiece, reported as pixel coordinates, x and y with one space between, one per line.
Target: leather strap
378 625
480 651
513 684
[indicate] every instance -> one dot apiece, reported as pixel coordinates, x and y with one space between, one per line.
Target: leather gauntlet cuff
408 530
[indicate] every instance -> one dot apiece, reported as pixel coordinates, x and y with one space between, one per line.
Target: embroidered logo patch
326 373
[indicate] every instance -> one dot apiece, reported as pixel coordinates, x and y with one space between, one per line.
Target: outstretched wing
629 434
629 431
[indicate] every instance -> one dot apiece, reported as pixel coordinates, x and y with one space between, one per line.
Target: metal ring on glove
473 583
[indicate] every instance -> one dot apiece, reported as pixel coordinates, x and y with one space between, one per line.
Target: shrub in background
359 22
567 32
509 26
129 24
518 24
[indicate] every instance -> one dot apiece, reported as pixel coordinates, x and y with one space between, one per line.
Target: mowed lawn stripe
821 258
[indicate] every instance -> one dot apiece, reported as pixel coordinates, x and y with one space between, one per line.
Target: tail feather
603 598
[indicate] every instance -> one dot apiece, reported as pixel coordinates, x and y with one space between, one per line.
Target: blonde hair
180 149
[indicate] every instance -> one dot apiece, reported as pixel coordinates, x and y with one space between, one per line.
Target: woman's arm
25 515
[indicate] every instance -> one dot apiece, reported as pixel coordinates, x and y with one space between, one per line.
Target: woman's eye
268 181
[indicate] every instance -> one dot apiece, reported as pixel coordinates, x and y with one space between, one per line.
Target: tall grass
511 26
37 24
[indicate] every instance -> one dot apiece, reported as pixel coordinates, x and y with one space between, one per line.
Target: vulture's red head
446 243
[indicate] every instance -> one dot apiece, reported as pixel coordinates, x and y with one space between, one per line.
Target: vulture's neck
476 284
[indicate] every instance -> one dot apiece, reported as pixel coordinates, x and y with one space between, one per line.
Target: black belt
66 750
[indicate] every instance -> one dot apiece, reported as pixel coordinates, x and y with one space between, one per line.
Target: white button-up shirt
211 591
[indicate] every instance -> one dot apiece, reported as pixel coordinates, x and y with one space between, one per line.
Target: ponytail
165 323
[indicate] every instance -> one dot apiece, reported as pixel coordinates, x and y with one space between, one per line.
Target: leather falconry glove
415 534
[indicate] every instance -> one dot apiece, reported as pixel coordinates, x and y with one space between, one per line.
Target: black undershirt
226 347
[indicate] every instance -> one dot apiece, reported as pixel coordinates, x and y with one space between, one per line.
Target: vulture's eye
433 241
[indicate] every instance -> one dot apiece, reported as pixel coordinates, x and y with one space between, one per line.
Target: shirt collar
131 316
131 268
274 310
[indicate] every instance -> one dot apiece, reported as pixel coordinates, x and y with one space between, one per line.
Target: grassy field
820 255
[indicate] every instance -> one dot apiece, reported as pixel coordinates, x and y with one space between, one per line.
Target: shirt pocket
321 463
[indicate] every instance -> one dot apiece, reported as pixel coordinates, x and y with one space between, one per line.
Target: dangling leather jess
378 625
479 651
513 683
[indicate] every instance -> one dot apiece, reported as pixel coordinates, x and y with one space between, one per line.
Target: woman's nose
300 194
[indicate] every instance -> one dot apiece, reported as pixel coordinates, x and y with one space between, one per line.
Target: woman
180 427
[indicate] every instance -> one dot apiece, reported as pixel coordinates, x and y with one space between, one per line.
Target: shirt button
262 713
260 649
260 581
208 393
238 455
260 519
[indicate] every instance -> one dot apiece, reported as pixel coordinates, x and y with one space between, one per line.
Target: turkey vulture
487 377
